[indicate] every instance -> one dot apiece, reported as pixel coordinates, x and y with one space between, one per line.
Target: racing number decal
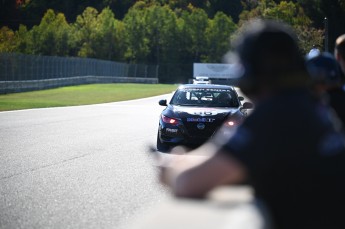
205 113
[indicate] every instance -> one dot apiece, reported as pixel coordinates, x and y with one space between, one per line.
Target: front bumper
179 135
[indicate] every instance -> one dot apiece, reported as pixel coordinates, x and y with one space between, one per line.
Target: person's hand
168 163
181 159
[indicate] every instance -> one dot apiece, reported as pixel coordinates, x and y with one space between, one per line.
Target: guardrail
19 72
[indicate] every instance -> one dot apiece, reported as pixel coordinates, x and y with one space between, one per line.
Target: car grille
194 132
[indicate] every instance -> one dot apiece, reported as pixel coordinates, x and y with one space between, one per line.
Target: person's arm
193 175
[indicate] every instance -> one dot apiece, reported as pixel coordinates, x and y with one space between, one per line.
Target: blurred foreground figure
328 82
339 51
288 148
338 94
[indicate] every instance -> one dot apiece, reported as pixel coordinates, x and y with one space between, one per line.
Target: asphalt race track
78 167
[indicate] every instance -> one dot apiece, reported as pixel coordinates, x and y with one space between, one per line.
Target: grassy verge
81 95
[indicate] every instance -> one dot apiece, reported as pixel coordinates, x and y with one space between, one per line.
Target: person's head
270 58
339 51
324 71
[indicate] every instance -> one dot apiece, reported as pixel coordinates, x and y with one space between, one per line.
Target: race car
196 112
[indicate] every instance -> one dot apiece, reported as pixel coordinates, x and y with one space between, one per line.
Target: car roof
206 86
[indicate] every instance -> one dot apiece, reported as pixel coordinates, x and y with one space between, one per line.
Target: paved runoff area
225 207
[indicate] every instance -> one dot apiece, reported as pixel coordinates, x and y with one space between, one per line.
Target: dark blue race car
196 112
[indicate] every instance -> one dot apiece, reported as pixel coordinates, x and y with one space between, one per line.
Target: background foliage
171 33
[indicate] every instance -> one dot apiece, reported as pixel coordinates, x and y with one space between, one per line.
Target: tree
50 37
218 33
136 34
288 12
231 8
84 29
98 35
7 40
333 10
23 40
162 33
105 37
292 14
194 28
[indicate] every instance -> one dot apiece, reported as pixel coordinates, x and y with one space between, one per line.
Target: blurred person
327 81
337 94
339 51
287 149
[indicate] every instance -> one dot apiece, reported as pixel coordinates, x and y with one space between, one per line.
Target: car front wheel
162 147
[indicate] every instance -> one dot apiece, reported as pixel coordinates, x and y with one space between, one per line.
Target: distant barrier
20 72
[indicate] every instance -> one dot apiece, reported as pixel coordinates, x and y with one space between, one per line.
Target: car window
205 97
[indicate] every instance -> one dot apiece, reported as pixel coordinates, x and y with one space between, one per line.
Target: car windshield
206 97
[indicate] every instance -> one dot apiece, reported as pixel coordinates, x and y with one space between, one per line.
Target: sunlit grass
81 95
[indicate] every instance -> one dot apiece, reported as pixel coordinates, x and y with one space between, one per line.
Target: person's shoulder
287 101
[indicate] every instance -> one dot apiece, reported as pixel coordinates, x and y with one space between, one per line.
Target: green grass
81 95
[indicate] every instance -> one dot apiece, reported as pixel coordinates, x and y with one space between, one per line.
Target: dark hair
270 55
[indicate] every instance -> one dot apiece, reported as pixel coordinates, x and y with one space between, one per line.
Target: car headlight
232 122
229 123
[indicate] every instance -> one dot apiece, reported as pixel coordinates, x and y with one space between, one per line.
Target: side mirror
247 105
163 102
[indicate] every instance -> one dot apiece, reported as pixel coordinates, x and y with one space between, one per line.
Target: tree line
153 32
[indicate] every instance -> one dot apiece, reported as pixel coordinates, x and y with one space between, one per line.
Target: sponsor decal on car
205 111
173 131
192 119
200 126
